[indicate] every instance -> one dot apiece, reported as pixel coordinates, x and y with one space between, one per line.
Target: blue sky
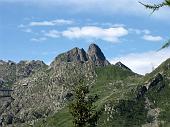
41 29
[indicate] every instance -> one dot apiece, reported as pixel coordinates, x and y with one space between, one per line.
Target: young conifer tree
82 108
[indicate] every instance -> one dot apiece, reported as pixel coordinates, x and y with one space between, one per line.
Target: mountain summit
73 55
94 55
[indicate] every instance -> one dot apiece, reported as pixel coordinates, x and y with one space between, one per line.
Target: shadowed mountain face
40 93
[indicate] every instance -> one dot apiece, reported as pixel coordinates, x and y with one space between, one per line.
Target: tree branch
155 7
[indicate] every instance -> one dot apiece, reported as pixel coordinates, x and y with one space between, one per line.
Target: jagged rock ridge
94 55
10 71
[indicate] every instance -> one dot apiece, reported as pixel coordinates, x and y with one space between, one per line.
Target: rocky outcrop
74 55
157 83
7 71
5 101
96 56
26 68
119 64
141 92
10 71
1 82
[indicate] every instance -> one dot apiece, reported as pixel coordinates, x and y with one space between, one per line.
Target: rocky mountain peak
95 52
77 54
73 55
96 55
121 65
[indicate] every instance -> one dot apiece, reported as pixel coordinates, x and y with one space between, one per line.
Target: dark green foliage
82 108
130 113
124 113
161 99
155 7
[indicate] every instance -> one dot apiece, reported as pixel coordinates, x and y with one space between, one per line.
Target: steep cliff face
96 56
74 55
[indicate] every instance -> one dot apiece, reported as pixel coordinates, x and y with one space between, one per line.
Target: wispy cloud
52 34
146 34
152 38
40 39
139 31
52 22
143 63
56 22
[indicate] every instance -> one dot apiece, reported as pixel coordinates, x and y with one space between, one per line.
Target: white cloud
112 34
109 34
139 31
143 63
38 39
52 34
152 38
52 22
